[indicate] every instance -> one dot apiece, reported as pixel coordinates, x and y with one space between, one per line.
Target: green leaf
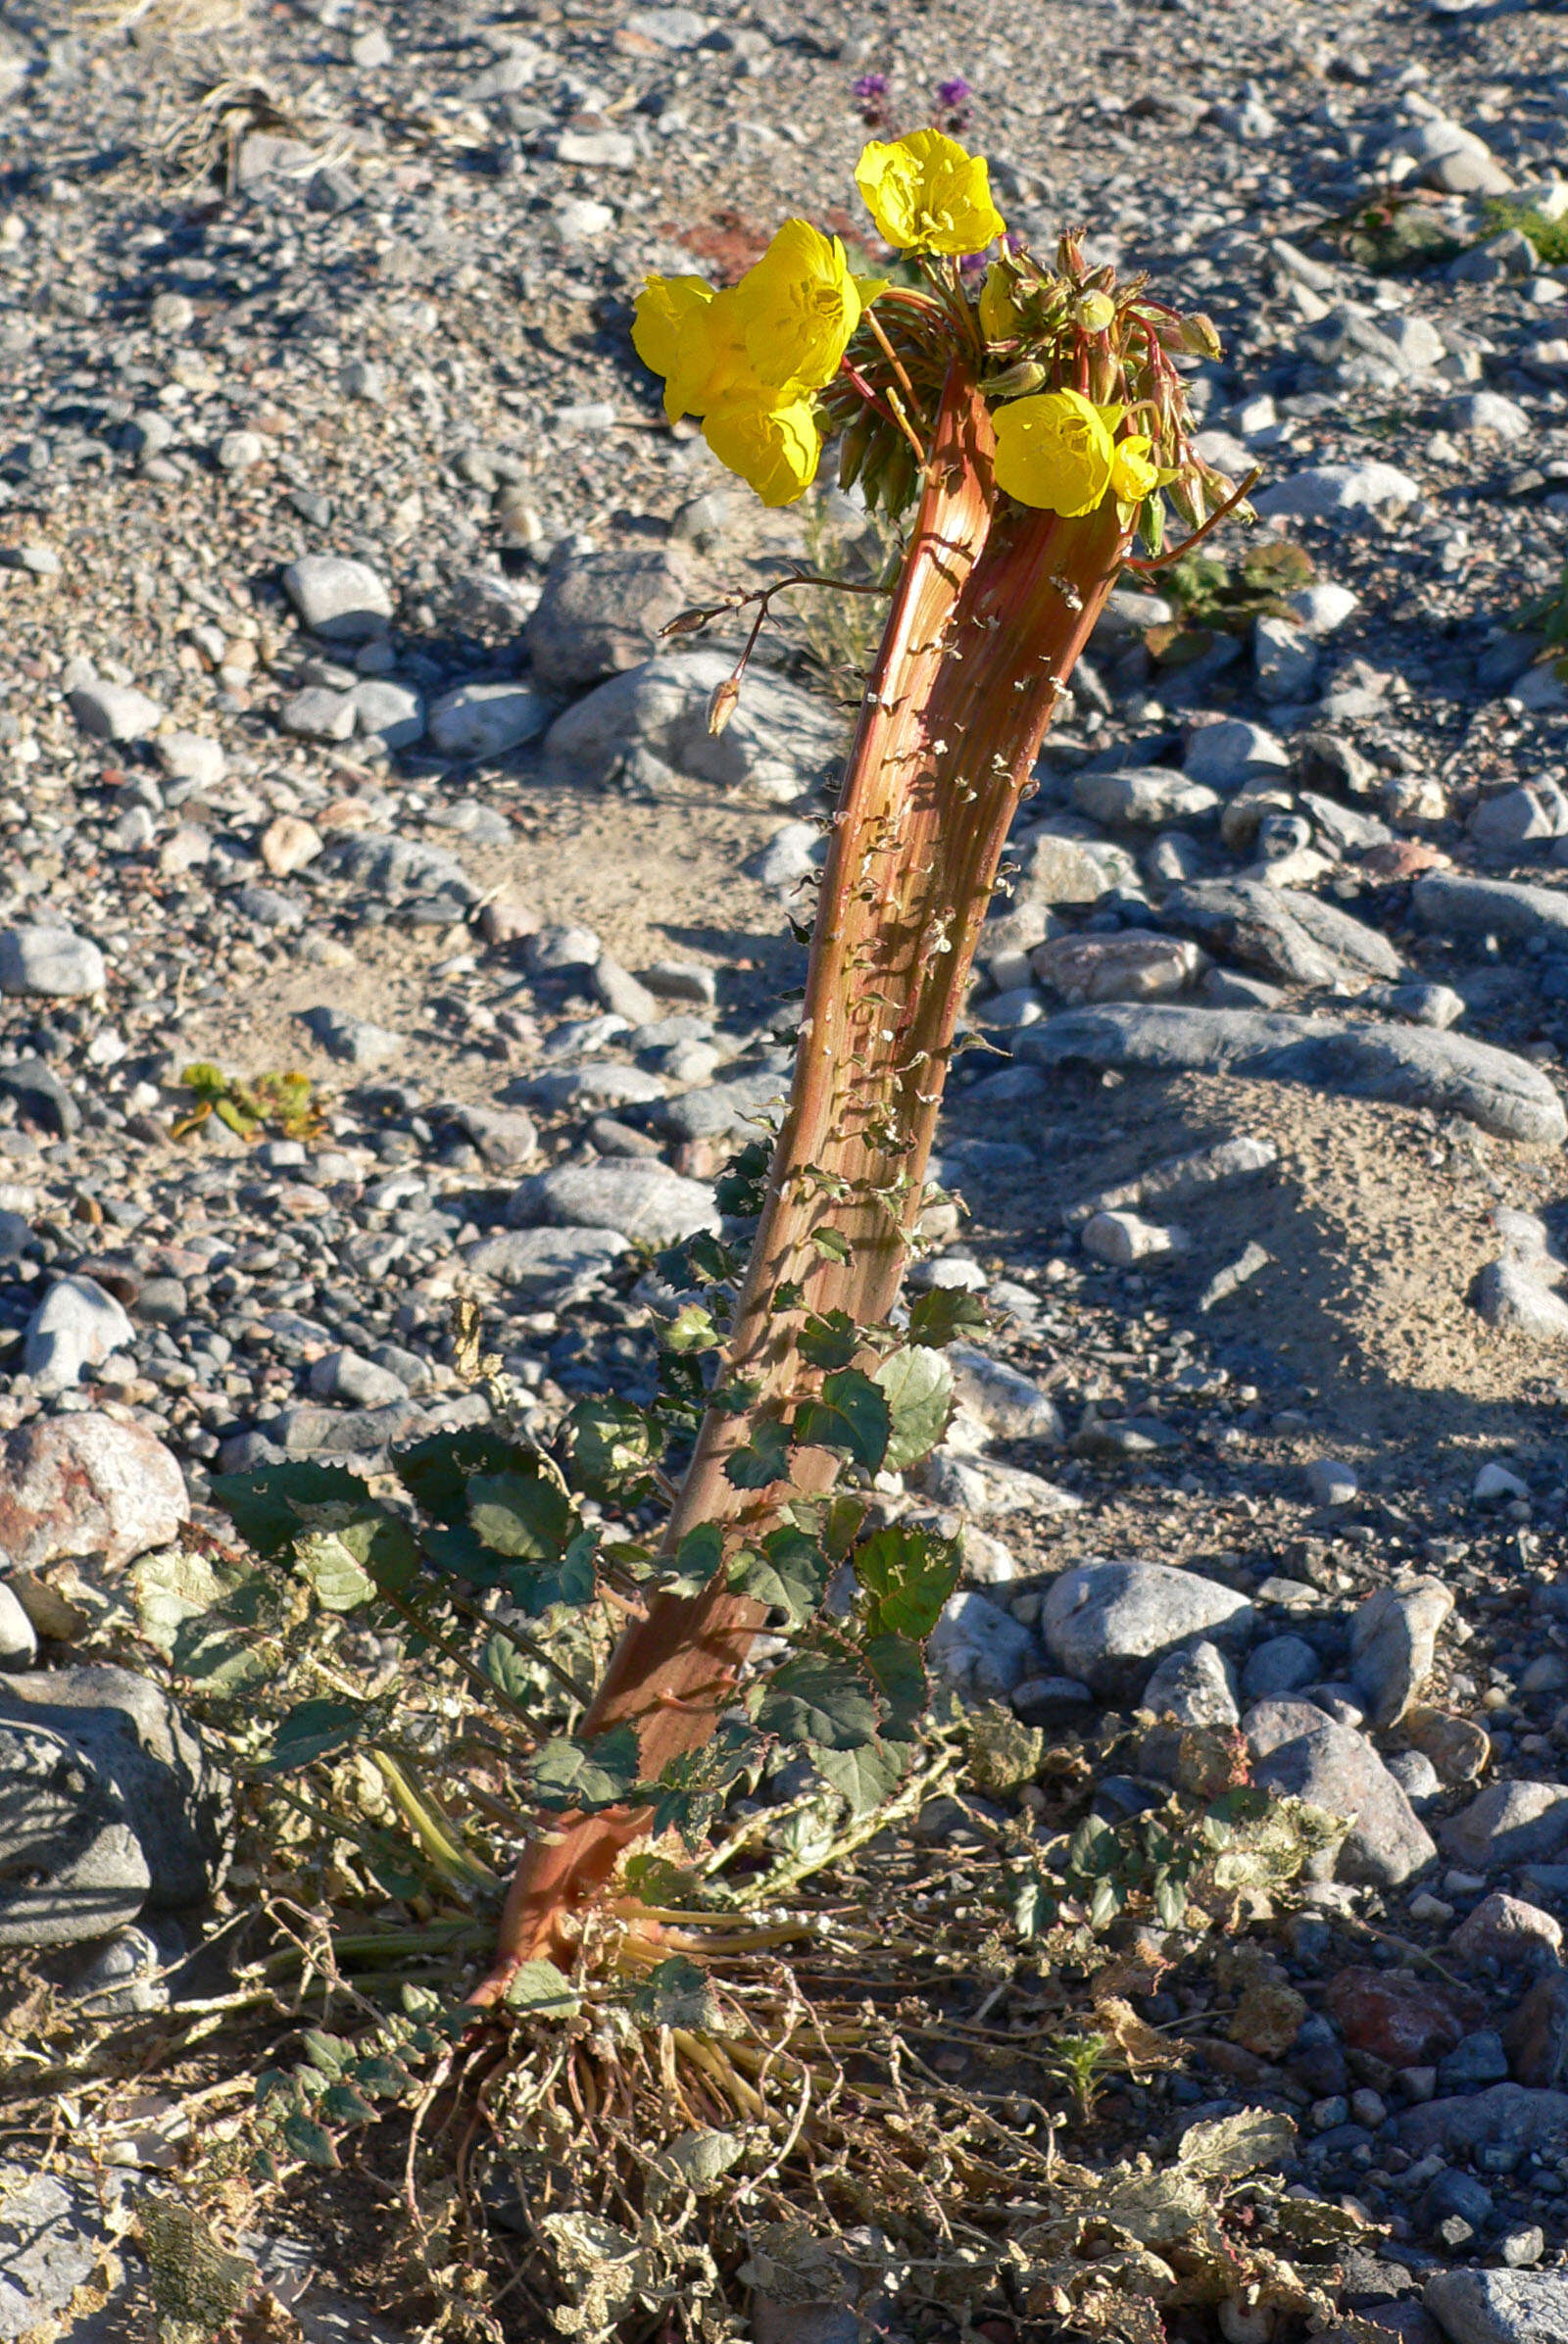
177 1587
1107 1902
701 1259
521 1514
761 1460
789 1574
543 1991
867 1776
851 1416
507 1668
832 1244
309 2141
269 1507
898 1671
437 1470
843 1519
740 1190
613 1445
602 1772
1093 1848
328 2053
1034 1907
228 1112
569 1579
943 1314
679 1994
317 1730
918 1385
353 1565
698 1559
819 1699
828 1341
346 2105
909 1576
691 1330
693 1787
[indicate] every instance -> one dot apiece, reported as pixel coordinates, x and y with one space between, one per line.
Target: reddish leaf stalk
993 608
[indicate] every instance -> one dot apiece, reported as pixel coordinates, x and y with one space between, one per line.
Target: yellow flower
1053 452
669 335
927 195
774 449
1132 475
798 309
1001 318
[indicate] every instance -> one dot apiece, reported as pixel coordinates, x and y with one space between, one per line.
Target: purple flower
954 93
871 89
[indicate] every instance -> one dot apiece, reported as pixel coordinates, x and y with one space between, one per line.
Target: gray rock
1453 906
1232 752
76 1326
318 713
345 1375
1353 494
310 1430
1147 795
646 1202
54 963
547 1265
1330 1481
123 1978
1285 661
743 1106
1281 1664
18 1641
70 1865
1394 1639
1507 1928
132 1736
600 1084
483 721
791 854
1507 1824
1416 1777
1008 1404
980 1649
341 601
506 1137
1057 870
778 742
1123 1238
51 2243
1407 1066
601 614
1505 2115
1300 1750
388 711
620 992
1507 819
401 870
1506 1294
115 711
1500 2307
1106 1622
83 1485
1295 937
1195 1686
190 757
353 1041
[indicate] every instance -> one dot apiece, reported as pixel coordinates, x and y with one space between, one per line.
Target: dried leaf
1233 2146
1142 2048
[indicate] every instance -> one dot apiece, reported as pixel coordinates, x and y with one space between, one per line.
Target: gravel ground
337 524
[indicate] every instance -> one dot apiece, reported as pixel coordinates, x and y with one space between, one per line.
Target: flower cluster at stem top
1086 398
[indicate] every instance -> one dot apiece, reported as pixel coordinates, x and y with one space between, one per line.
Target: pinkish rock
1130 968
1504 1928
86 1484
1405 2019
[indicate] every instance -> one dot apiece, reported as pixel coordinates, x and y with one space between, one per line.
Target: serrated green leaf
679 1994
817 1698
317 1730
309 2141
831 1340
382 2076
269 1507
602 1772
851 1417
543 1991
345 2106
691 1330
437 1470
693 1787
220 1659
696 1560
918 1385
176 1588
507 1668
788 1573
832 1244
526 1515
867 1776
898 1671
353 1565
942 1313
1093 1848
328 2053
740 1190
1034 1907
908 1575
763 1460
613 1445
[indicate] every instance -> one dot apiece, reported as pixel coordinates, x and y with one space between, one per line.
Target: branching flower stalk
1037 431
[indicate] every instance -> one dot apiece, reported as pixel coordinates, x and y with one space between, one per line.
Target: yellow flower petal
774 449
1001 318
927 195
1132 475
1053 452
667 331
798 309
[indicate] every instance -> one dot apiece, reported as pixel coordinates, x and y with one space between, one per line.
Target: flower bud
722 706
1200 335
1093 312
1015 381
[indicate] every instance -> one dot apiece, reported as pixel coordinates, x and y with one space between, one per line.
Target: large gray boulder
1500 2307
1412 1066
602 613
645 1202
70 1865
1283 932
1451 905
1107 1623
778 742
1300 1750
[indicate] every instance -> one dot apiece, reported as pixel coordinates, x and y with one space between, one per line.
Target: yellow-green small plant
285 1102
1227 596
1548 615
1081 2064
1550 237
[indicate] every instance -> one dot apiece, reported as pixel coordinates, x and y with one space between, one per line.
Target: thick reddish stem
991 614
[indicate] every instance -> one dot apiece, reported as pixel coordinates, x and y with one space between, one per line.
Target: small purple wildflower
973 265
871 89
954 93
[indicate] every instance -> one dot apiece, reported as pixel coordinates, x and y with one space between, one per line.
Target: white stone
1320 611
1494 1482
1339 491
482 720
54 962
1122 1237
341 601
1490 412
1232 752
115 711
191 756
77 1325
